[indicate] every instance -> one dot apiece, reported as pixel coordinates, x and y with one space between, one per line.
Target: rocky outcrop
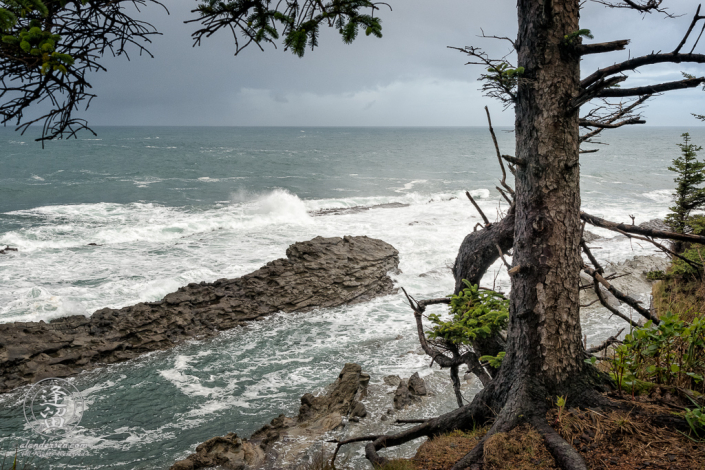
323 272
409 391
656 224
284 441
630 278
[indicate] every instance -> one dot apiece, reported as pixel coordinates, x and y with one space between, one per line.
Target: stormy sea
167 206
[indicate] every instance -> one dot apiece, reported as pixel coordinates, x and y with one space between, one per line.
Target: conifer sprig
263 21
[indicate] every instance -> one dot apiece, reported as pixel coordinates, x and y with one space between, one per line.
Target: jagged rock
323 272
392 380
364 382
436 273
359 410
590 237
656 224
402 396
285 440
228 452
417 386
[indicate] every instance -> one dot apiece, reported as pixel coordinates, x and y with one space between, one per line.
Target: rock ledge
323 272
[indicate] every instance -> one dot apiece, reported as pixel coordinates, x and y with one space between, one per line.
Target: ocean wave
663 196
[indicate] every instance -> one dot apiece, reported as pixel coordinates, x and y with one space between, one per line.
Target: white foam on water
662 196
149 250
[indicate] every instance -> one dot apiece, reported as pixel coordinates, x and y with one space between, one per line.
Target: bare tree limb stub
602 223
478 251
651 89
599 48
482 214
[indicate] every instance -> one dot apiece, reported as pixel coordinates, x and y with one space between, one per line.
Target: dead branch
504 195
636 62
469 358
593 91
651 89
642 6
501 255
599 48
611 114
632 302
605 125
478 252
620 227
606 343
503 182
603 301
503 38
694 264
696 18
515 160
482 214
591 257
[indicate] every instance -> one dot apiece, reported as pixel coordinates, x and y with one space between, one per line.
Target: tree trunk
544 334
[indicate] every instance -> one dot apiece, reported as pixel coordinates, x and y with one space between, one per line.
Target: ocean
167 206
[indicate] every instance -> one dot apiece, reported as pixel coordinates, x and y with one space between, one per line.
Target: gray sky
407 78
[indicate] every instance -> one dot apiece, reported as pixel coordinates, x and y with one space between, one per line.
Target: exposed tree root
565 455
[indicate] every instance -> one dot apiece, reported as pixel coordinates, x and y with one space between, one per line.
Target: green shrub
476 313
672 353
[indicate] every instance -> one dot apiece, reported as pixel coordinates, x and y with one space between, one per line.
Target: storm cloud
407 78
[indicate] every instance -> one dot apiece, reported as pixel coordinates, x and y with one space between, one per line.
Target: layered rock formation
323 272
284 441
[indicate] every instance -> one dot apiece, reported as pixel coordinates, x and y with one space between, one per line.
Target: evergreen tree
689 195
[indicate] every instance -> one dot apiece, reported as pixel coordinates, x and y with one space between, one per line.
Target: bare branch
633 303
696 18
503 38
636 62
599 48
611 114
605 125
651 89
503 182
482 214
628 228
642 6
605 344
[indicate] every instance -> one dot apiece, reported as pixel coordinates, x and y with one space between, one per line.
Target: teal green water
169 206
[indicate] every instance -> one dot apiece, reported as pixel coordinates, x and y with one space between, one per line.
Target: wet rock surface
409 391
7 250
656 224
283 442
630 278
323 272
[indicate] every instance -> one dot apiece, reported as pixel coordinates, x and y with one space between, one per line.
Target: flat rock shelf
322 272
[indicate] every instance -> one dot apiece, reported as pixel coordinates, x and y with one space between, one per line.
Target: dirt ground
627 439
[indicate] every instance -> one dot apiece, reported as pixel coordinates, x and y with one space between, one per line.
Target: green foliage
475 313
656 275
672 353
32 40
494 361
300 23
572 38
689 195
684 269
501 79
695 418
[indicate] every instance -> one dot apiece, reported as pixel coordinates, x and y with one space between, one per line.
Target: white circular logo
53 407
